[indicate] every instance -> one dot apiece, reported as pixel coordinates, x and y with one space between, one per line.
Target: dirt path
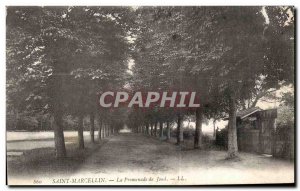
136 159
132 152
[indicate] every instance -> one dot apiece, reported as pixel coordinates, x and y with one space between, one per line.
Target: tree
35 36
246 61
225 53
55 43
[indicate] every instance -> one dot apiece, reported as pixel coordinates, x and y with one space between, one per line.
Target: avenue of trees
59 58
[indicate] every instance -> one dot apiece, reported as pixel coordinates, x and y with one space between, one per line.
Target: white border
4 3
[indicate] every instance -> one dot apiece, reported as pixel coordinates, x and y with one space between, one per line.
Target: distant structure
257 132
125 129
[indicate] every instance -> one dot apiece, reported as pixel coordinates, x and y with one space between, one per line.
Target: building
256 129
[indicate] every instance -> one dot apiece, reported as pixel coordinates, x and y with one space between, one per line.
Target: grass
42 161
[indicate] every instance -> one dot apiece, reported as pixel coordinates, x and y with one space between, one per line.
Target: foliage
63 55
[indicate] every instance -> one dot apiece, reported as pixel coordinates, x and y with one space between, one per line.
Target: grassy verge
42 161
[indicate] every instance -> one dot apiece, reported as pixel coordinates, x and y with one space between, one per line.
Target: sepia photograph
150 95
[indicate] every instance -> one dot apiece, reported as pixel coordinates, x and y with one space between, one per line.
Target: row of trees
232 56
59 58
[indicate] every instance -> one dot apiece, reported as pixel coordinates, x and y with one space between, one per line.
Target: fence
281 142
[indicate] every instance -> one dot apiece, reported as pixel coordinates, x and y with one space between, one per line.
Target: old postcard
150 95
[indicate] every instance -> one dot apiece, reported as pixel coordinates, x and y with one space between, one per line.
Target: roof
245 113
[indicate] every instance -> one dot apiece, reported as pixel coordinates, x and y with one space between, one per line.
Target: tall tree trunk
168 131
151 129
80 133
104 130
232 130
147 129
100 128
161 129
179 130
155 129
59 139
107 130
16 112
214 134
57 87
51 124
198 129
92 129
